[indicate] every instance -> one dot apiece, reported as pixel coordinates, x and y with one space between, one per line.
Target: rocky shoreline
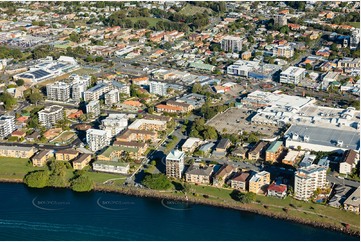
240 207
192 200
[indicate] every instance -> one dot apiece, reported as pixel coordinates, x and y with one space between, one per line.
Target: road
346 182
76 143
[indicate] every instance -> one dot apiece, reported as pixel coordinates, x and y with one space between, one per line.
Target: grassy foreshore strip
239 206
217 203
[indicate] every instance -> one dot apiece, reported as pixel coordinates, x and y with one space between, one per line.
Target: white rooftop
175 155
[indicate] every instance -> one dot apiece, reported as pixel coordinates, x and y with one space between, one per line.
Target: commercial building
7 125
112 97
232 44
93 107
97 139
111 167
17 151
40 158
158 88
322 139
51 115
307 180
253 69
175 164
58 91
114 124
292 75
258 181
198 174
348 162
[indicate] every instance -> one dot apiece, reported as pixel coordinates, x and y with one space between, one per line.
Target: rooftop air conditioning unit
306 138
295 136
339 143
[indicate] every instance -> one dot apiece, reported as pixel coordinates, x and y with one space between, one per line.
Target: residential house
275 190
40 158
292 157
352 203
219 179
240 181
81 161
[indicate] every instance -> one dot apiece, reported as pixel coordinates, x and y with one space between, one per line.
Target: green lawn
64 137
192 10
15 168
152 21
100 177
354 24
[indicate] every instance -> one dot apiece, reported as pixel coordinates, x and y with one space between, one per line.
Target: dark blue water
49 214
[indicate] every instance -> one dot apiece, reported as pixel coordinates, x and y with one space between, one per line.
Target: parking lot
235 120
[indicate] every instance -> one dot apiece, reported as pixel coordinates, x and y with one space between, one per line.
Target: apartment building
58 91
175 164
96 92
292 75
17 151
348 162
274 151
241 181
111 167
51 115
150 125
280 20
97 139
257 151
114 124
40 158
81 161
93 107
185 107
66 154
79 86
352 203
7 125
158 88
191 144
137 135
221 176
283 51
121 87
232 44
258 181
198 174
307 180
112 97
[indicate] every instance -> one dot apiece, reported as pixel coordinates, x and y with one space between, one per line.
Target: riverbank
190 199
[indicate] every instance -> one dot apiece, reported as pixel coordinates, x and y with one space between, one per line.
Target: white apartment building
232 44
97 139
283 51
93 107
51 115
175 164
96 92
79 86
7 125
159 88
58 91
280 20
114 124
112 97
121 87
308 179
293 75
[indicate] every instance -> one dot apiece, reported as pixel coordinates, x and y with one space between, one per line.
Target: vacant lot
235 120
152 21
354 24
81 71
64 137
192 10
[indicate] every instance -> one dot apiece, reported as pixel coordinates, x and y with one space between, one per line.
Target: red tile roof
277 188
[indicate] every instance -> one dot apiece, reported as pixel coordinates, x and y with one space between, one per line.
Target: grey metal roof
326 136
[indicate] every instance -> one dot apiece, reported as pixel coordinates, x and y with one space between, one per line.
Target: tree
82 184
35 97
8 100
247 197
157 182
308 66
37 179
19 82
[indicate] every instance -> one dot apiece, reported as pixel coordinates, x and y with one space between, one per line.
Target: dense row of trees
157 182
200 130
8 100
344 18
6 53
